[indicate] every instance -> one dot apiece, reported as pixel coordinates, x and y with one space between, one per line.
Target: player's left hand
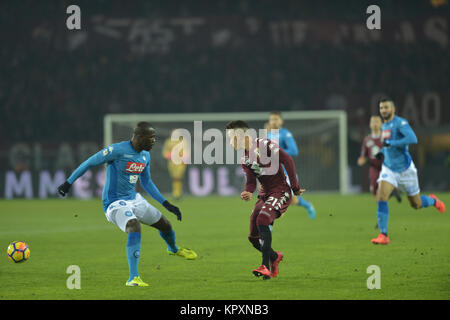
174 209
386 143
63 189
299 192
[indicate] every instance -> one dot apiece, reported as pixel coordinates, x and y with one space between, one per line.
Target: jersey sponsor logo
135 167
386 134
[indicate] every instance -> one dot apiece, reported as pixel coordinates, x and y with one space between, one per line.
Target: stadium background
214 56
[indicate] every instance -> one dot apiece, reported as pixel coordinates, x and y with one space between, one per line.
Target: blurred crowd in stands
49 95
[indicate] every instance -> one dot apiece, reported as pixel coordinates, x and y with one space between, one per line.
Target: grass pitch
325 258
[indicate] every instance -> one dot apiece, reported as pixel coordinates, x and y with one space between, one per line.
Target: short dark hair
387 100
237 124
276 113
143 128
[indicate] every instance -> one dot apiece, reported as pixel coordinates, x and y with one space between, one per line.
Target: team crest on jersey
135 167
109 149
386 134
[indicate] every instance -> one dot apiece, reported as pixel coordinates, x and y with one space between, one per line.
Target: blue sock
302 202
133 253
427 201
383 216
170 239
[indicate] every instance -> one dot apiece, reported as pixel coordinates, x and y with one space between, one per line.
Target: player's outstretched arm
103 156
150 187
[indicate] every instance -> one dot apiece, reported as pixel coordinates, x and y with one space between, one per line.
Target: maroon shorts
374 173
274 204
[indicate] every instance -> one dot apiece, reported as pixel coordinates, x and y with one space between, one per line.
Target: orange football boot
381 239
262 271
274 265
438 203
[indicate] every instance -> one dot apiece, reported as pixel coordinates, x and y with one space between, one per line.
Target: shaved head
144 136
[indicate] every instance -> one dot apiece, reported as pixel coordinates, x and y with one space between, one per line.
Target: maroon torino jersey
254 169
370 147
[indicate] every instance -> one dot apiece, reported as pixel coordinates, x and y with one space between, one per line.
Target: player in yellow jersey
176 169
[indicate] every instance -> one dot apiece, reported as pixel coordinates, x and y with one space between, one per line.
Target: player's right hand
245 195
299 192
63 189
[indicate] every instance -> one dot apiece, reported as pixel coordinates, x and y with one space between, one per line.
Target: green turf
325 258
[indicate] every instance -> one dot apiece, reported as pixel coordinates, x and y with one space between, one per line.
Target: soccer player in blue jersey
398 169
126 163
287 143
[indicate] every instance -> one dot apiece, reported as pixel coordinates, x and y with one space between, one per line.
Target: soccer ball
18 251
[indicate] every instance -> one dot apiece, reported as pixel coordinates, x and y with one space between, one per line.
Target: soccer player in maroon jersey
262 160
370 150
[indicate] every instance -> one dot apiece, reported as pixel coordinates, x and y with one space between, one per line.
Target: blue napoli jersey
285 140
399 135
124 167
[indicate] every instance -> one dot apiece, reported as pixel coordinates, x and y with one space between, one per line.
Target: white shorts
121 211
407 181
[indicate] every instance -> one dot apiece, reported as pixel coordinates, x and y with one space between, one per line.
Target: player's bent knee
133 225
167 226
163 224
416 205
382 196
263 219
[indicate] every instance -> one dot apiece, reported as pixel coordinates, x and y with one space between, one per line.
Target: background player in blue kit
398 169
127 162
287 143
